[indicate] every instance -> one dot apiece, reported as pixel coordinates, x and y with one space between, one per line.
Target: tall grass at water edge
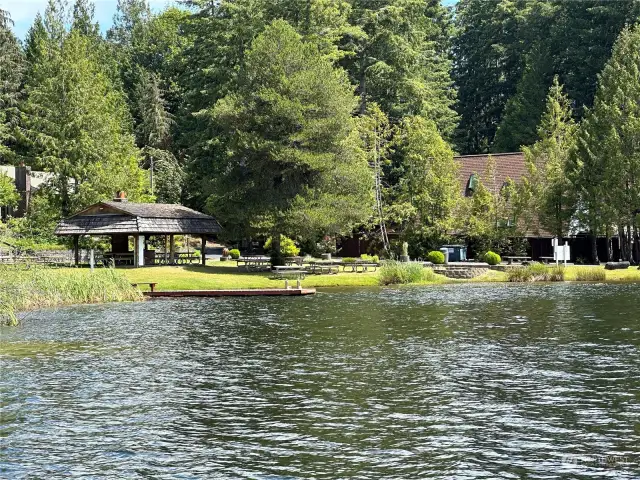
591 274
28 288
396 273
536 272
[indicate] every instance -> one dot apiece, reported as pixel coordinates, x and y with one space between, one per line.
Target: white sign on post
561 253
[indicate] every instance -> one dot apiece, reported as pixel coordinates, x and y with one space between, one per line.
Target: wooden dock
266 292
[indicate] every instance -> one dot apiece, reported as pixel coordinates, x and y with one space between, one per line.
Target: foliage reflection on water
474 381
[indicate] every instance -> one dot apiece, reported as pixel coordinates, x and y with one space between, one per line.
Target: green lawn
225 275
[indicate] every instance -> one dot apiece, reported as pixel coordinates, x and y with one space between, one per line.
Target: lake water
459 382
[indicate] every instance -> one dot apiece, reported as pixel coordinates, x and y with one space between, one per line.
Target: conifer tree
428 185
292 161
11 70
78 125
607 161
550 191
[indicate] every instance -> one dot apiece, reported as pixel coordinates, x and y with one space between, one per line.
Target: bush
348 260
492 258
287 246
370 258
234 253
435 257
395 273
593 274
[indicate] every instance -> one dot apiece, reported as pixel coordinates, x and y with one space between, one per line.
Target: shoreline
39 288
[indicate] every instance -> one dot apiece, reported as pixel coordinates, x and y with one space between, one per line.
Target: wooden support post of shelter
76 249
203 251
121 219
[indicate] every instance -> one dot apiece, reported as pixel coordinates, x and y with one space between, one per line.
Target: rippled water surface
459 382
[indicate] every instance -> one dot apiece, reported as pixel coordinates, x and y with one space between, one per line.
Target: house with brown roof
507 166
512 166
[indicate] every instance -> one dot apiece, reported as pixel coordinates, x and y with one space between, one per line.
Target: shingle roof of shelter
508 165
113 217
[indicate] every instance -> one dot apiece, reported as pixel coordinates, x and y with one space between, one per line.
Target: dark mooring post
202 251
76 249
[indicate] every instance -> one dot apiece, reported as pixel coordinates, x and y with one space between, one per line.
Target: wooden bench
359 267
152 285
511 259
547 259
282 271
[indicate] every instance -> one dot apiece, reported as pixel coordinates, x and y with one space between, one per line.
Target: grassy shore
225 275
23 289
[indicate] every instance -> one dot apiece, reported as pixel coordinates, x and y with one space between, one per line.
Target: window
472 185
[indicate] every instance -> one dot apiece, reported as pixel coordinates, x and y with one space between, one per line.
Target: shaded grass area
31 287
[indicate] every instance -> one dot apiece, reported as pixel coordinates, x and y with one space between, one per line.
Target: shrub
395 273
592 274
492 258
435 257
370 258
234 253
287 246
348 260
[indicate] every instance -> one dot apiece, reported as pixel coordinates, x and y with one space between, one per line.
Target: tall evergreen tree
154 137
11 70
78 125
428 186
401 61
550 191
488 62
608 158
293 160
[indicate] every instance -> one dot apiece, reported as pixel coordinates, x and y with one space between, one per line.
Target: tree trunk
276 255
363 88
594 248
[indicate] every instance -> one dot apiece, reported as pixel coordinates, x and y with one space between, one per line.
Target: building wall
26 182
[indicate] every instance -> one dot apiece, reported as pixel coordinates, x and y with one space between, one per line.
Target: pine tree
11 70
401 61
154 137
78 125
550 191
293 162
607 161
522 113
428 186
82 19
488 63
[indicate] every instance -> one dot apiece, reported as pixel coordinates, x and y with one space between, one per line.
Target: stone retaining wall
462 271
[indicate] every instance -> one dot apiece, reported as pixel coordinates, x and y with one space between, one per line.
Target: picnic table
119 258
359 267
182 258
511 259
282 271
253 263
325 266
